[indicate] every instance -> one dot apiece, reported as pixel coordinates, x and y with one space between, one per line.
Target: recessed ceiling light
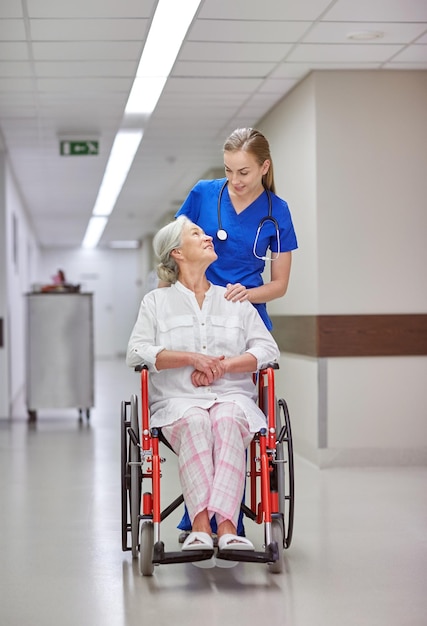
365 35
127 244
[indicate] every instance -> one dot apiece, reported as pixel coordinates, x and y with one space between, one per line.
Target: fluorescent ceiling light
94 231
119 163
168 29
170 24
144 95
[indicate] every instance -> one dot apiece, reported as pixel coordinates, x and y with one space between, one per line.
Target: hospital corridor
358 555
266 163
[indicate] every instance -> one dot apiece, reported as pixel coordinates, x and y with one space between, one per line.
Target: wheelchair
270 474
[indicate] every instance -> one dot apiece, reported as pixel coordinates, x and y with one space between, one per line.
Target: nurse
249 223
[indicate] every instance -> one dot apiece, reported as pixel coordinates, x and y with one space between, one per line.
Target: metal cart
60 372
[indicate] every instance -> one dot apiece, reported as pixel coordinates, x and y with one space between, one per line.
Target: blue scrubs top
236 261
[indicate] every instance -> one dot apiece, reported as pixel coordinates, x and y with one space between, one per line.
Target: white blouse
170 318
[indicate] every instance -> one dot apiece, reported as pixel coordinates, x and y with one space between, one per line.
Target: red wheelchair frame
270 469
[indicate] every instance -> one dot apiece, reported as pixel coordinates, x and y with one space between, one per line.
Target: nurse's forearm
278 285
266 293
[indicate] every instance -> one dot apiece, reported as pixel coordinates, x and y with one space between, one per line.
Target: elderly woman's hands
207 370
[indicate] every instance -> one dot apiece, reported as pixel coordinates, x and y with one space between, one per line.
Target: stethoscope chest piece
221 234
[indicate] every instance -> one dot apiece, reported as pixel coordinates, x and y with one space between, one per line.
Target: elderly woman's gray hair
167 239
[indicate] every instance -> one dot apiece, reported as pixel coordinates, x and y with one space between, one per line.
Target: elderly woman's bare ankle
201 522
226 527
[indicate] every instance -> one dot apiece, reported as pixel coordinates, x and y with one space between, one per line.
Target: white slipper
234 542
198 541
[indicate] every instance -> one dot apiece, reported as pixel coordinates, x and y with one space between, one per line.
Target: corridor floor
358 557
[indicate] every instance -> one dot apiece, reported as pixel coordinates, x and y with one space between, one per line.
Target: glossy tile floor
358 557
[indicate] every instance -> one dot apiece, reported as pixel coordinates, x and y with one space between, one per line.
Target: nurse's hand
236 292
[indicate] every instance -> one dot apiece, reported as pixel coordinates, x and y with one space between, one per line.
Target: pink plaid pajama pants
211 444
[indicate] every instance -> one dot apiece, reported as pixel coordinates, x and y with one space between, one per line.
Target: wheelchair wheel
146 546
135 477
125 475
277 535
280 457
285 456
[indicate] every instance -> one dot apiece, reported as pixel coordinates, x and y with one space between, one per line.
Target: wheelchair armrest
140 367
272 365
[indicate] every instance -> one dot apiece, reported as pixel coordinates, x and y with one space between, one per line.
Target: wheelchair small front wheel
277 535
136 477
146 549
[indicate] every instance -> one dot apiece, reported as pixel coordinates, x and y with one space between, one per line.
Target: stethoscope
222 234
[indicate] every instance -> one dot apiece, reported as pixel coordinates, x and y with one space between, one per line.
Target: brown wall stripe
351 335
1 333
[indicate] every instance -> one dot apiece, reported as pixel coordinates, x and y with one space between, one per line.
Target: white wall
371 191
352 149
18 270
291 131
377 409
372 226
4 361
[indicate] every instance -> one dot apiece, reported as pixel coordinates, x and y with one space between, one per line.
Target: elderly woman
202 350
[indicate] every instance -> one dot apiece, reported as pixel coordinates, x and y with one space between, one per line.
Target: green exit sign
78 148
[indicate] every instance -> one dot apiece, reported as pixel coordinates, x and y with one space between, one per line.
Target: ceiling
66 70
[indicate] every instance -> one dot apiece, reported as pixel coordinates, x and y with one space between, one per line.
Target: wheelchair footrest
189 556
270 555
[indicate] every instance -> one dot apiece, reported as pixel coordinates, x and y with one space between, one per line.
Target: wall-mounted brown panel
372 335
352 335
296 333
